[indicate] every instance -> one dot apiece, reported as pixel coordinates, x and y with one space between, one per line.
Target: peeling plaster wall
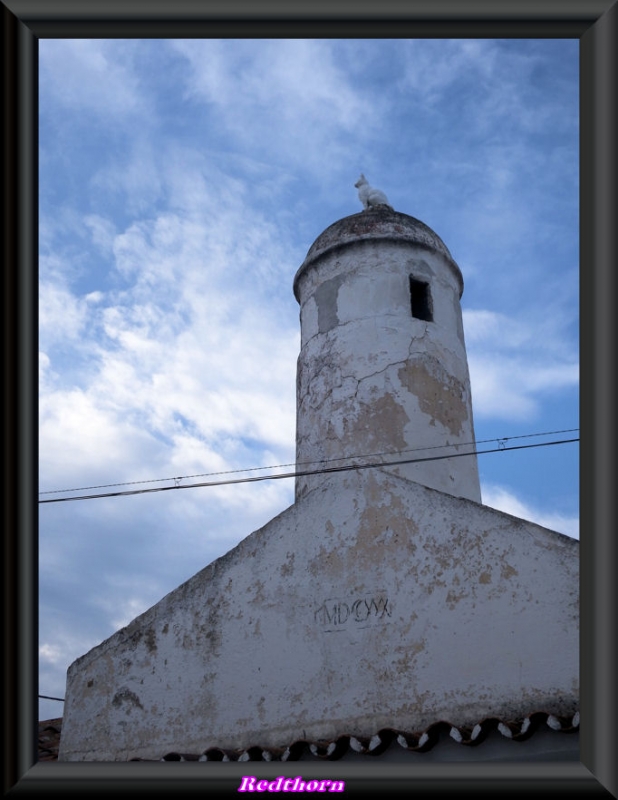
373 602
372 378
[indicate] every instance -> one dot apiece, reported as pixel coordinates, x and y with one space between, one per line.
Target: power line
322 461
323 470
47 697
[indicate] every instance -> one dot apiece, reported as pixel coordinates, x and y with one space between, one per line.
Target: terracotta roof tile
419 742
49 739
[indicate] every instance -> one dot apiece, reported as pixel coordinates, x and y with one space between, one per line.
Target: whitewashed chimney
382 371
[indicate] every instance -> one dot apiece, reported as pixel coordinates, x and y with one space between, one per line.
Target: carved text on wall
337 614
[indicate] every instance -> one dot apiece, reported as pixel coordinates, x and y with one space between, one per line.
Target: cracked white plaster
372 377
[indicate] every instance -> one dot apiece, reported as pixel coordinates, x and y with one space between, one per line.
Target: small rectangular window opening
420 300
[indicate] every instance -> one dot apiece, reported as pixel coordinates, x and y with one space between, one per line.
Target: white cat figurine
369 196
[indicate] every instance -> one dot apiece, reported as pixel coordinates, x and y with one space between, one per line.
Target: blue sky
181 185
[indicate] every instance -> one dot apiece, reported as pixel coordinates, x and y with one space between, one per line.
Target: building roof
469 667
377 224
49 739
377 745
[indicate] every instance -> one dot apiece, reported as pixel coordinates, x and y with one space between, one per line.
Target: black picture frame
595 24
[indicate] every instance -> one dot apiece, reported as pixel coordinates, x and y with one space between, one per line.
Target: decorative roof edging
517 731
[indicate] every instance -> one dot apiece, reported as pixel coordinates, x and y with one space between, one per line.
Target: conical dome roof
374 224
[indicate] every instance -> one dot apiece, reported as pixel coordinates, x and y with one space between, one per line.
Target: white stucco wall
373 380
373 602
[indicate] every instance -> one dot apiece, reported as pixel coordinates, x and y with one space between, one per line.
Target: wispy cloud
515 364
92 75
286 100
191 342
505 500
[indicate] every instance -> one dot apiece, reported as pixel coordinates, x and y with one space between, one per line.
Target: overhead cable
500 441
302 474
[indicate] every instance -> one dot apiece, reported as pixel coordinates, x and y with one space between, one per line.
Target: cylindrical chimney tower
382 371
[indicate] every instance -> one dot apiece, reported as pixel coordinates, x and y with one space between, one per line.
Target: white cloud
433 66
101 230
297 78
515 362
84 439
125 596
133 175
195 355
484 327
287 98
495 89
50 653
512 388
62 315
505 500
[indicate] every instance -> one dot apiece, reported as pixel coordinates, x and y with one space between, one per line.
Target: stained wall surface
374 602
383 373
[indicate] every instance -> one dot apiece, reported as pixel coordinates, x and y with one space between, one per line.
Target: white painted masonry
383 597
372 377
